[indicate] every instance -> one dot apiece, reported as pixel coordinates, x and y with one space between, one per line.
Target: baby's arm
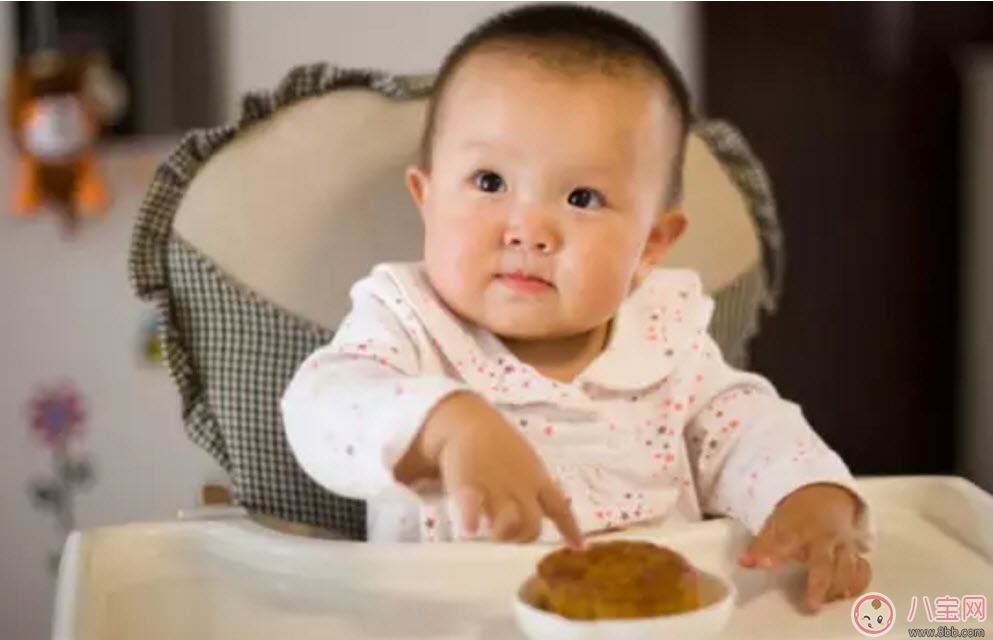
751 448
365 420
354 406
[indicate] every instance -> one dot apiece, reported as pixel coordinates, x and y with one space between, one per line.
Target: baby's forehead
494 64
500 83
572 119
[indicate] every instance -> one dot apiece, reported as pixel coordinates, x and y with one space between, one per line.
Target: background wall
977 236
857 112
260 41
68 311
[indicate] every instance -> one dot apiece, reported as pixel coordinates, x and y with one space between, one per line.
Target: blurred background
874 121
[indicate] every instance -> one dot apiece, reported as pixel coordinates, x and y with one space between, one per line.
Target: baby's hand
816 526
494 473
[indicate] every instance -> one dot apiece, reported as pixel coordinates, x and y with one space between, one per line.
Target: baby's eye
879 619
489 182
584 198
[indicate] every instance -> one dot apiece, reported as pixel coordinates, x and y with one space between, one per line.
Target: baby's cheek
603 302
457 259
600 287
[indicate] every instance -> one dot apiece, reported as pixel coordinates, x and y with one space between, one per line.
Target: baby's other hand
815 525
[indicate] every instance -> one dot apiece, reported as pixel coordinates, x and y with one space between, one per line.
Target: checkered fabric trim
738 305
734 154
736 316
231 352
245 351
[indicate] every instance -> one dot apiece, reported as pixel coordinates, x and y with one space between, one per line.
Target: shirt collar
476 355
657 325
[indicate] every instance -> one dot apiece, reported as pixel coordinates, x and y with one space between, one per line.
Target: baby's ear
418 183
666 230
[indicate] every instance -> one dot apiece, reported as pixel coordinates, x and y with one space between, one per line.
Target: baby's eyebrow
593 169
476 144
477 150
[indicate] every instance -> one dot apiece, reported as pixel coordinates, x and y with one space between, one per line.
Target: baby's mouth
524 282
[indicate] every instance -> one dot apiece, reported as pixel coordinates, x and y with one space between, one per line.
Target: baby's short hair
569 36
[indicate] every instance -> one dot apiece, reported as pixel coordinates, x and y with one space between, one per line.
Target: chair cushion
251 235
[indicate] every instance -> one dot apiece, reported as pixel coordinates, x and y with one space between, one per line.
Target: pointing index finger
558 510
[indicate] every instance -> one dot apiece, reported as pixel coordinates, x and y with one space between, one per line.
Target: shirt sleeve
750 448
353 407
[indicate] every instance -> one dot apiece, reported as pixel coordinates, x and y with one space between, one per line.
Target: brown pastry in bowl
614 580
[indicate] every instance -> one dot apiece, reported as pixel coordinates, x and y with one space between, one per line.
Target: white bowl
708 620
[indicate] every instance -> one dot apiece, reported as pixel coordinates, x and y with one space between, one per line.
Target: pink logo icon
873 614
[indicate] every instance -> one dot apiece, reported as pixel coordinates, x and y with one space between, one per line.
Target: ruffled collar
657 325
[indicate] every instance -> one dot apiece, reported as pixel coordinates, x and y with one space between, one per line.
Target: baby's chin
523 335
511 330
542 329
508 321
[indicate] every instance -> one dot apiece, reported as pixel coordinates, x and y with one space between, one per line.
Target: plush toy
57 106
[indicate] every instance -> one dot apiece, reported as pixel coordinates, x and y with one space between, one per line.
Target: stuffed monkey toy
57 106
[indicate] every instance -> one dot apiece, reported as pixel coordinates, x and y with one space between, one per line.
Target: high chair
251 235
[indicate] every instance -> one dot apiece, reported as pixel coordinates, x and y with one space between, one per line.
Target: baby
538 376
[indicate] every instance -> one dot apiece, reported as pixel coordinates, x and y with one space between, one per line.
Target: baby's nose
531 233
519 241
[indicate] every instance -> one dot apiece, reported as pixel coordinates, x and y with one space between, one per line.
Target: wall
976 442
69 313
265 39
6 36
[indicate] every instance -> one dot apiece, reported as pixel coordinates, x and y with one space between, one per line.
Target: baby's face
545 194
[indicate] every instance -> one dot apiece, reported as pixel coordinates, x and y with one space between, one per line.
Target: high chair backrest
251 235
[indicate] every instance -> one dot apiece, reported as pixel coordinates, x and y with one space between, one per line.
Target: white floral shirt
657 428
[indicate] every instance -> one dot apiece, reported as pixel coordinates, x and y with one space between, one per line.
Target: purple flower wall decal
56 418
57 415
